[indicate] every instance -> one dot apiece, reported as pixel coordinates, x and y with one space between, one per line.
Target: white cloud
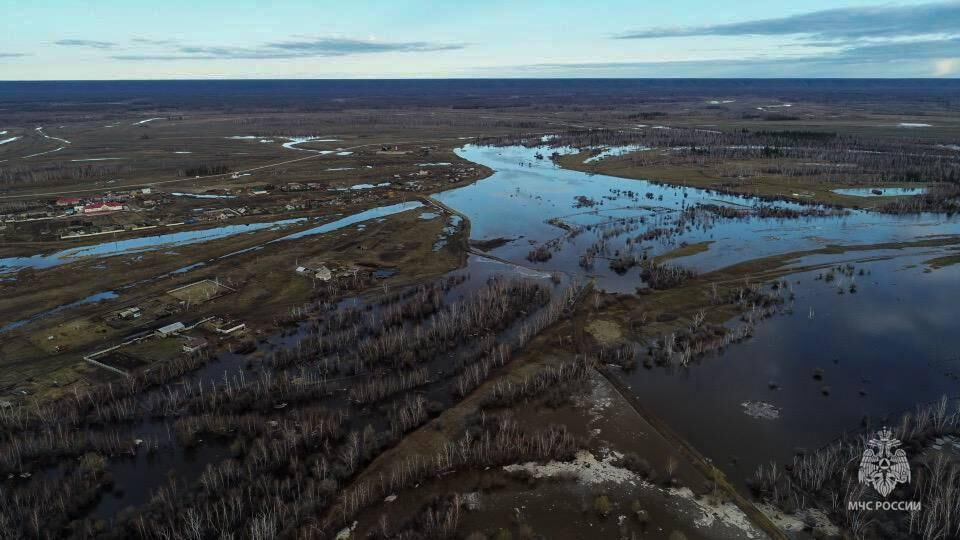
946 67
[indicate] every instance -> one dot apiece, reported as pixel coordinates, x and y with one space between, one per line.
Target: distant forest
461 93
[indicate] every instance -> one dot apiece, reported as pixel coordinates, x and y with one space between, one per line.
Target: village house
319 271
101 208
192 344
68 201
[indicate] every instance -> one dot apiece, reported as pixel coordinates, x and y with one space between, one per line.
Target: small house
100 208
68 201
130 313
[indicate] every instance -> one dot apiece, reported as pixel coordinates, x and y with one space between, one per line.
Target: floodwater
151 243
99 297
883 348
135 245
524 192
880 192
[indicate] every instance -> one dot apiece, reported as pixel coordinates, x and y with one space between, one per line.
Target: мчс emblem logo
883 465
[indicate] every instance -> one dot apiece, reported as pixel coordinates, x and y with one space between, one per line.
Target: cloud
317 47
946 67
85 43
341 46
879 41
157 42
833 24
924 58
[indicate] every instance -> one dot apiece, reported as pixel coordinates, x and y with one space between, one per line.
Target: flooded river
882 349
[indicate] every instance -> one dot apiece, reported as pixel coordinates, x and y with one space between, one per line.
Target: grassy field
806 189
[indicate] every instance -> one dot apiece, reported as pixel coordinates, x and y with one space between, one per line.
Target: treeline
839 157
21 175
205 170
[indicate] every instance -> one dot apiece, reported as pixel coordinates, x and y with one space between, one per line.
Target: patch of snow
437 164
47 152
726 513
145 121
98 159
41 132
183 152
797 522
202 195
10 140
346 532
913 125
294 141
615 151
760 409
586 468
344 153
341 169
369 186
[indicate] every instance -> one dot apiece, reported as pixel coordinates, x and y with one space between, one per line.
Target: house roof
170 328
95 206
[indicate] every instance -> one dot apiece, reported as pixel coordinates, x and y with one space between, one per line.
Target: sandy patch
797 522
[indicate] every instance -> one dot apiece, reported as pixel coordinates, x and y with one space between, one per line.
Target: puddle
881 192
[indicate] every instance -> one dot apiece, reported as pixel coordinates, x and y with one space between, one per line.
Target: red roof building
68 201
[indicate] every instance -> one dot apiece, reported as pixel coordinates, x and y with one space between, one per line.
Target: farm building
129 313
320 272
170 329
192 344
227 326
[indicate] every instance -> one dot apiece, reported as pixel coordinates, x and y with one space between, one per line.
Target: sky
236 39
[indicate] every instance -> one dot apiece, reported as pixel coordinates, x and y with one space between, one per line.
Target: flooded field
151 243
871 344
525 193
880 192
